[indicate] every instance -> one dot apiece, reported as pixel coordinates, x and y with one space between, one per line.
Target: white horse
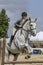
21 42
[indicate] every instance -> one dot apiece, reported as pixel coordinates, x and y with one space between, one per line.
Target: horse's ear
35 19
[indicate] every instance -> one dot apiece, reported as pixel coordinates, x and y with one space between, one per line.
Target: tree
4 23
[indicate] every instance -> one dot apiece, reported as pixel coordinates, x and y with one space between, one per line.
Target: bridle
28 31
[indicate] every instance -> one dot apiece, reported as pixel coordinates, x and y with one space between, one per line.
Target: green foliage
4 23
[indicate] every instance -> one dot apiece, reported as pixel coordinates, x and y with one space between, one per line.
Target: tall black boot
12 37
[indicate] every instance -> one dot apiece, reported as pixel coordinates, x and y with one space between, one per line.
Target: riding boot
12 37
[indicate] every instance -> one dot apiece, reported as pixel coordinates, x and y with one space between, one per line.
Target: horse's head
33 26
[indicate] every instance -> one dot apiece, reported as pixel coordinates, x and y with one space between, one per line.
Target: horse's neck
26 25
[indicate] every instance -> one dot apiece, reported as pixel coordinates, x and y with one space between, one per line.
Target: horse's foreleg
27 52
15 57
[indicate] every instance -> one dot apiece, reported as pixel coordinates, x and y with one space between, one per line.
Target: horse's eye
31 25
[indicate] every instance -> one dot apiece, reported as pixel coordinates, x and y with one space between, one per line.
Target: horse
21 41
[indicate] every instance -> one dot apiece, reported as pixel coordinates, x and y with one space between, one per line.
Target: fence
2 55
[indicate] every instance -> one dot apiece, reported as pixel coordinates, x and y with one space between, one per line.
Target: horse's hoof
27 57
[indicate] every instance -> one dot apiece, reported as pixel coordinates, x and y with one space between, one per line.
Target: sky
38 37
14 8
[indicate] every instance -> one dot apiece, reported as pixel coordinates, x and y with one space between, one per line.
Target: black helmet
24 14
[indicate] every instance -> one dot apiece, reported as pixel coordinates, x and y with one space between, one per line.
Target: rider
18 25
